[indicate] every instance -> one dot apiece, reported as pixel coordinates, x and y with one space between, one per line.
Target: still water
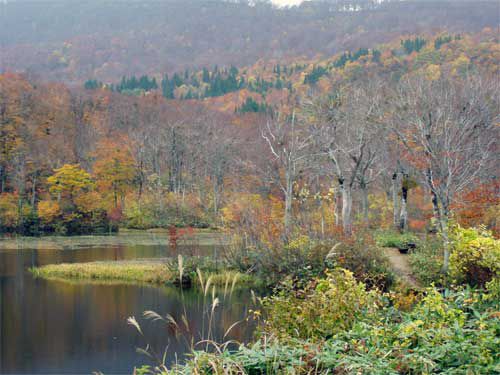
74 328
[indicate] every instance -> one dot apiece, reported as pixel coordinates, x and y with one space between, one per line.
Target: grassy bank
161 271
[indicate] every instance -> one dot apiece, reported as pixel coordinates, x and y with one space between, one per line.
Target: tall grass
207 337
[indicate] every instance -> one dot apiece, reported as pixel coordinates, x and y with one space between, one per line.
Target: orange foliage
114 169
48 211
480 205
257 217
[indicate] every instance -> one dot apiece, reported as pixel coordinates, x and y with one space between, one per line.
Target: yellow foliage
9 213
461 65
114 170
433 72
475 255
70 178
48 211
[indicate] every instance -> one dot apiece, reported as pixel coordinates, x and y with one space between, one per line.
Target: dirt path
401 266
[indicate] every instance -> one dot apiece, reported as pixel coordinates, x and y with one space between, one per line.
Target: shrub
303 259
324 308
395 239
475 256
300 260
452 333
367 262
426 263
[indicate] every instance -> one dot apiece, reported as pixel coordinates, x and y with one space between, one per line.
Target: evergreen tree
410 45
205 75
167 88
441 40
316 73
177 80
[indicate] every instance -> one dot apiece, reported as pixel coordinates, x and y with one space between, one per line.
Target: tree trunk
216 197
288 205
2 179
346 208
33 193
395 201
443 226
435 209
337 212
435 204
364 202
403 217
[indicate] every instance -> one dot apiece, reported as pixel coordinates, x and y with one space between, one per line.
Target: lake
75 328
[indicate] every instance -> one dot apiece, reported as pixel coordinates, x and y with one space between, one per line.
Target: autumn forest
337 160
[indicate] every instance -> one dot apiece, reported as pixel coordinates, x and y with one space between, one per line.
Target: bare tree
347 128
289 145
447 127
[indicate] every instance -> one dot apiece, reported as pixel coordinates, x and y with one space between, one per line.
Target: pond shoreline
153 237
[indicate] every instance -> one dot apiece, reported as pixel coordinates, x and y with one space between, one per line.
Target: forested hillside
107 40
309 190
104 157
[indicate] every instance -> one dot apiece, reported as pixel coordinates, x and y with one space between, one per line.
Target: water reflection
60 327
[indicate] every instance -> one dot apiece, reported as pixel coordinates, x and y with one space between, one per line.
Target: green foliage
426 263
251 105
411 45
93 84
300 260
219 82
303 259
442 40
453 333
324 308
316 73
351 57
130 85
395 239
366 260
475 256
150 213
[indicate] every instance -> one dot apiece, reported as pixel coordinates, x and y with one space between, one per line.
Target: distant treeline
199 85
217 81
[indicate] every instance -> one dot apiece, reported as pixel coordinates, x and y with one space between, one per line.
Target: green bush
324 308
395 239
453 333
303 259
300 260
426 263
475 256
365 260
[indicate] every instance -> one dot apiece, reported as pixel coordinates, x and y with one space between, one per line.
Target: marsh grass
140 272
155 272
